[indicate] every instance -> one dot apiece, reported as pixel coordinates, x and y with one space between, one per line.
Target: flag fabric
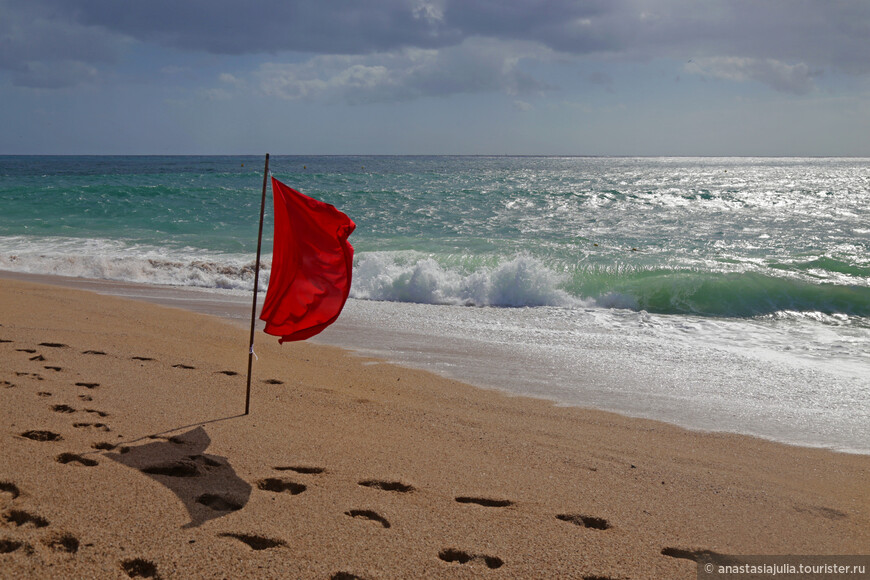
312 263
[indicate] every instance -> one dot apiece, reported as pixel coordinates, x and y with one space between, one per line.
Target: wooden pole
256 286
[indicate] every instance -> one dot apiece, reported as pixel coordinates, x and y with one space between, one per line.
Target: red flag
312 264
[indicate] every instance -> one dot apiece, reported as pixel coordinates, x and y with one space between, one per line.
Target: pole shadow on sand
206 484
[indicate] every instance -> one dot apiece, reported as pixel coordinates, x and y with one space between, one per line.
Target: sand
125 453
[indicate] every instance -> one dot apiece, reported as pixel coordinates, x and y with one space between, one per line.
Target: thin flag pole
256 286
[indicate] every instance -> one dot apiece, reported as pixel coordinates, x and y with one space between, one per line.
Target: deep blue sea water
718 293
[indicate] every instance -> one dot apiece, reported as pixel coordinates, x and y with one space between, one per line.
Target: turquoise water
766 256
714 237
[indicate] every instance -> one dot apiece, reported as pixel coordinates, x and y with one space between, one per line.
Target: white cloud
429 10
228 79
790 78
324 77
475 66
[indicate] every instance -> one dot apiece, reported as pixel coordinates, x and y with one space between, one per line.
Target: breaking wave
734 295
519 281
113 260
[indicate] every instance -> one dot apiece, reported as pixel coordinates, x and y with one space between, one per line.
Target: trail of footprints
45 435
16 518
451 555
21 523
141 568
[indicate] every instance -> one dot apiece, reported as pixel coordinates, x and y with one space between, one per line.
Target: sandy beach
126 454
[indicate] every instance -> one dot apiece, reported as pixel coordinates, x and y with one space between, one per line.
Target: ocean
720 294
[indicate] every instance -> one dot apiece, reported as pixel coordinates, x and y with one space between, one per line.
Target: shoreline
348 464
417 351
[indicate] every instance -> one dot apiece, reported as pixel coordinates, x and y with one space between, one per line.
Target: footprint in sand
53 345
39 435
699 555
23 518
139 568
97 426
585 521
10 488
219 503
387 485
43 394
55 369
38 357
174 469
453 555
62 409
2 340
228 373
86 398
486 502
181 366
98 352
74 458
280 485
256 542
368 515
273 382
9 546
88 385
98 413
63 543
301 469
345 576
106 446
27 350
34 375
7 385
143 358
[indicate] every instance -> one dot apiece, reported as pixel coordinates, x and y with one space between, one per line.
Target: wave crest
221 272
521 281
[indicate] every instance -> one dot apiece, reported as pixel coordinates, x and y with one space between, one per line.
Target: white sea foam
702 373
398 277
116 260
390 276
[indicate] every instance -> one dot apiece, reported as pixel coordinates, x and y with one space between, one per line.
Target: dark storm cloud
255 26
42 50
829 31
782 43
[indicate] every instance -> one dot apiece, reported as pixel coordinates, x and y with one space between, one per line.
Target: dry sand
124 453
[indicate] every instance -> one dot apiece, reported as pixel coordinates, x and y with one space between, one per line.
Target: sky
488 77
